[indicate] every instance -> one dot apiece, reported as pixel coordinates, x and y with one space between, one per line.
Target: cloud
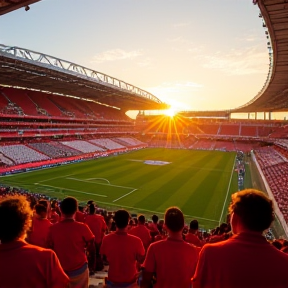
237 62
115 55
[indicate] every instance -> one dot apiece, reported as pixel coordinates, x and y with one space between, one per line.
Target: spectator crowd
53 243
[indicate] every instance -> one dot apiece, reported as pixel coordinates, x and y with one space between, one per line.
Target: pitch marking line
99 183
72 190
54 178
124 195
98 179
228 189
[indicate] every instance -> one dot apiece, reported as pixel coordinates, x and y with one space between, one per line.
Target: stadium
65 132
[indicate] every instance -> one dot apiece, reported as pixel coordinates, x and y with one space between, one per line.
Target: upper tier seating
232 129
251 131
44 103
21 99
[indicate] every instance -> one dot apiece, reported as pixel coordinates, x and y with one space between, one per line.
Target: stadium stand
22 154
107 143
82 146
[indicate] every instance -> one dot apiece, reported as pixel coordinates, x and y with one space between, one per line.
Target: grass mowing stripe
174 178
189 168
207 189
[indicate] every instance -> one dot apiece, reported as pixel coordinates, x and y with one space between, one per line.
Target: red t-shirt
121 250
193 239
25 266
80 216
39 232
246 260
54 217
174 262
68 239
97 225
143 233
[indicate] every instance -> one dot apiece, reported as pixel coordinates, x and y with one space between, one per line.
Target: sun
169 112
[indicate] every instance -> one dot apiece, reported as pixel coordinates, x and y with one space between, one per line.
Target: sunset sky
192 54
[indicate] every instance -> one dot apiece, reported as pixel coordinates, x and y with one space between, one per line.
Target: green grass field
198 182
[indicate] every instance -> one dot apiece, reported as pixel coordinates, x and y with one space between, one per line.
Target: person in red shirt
80 215
40 227
54 213
98 226
122 251
192 235
23 265
246 259
172 260
142 232
154 226
69 239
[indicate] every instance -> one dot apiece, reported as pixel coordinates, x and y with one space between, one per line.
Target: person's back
23 265
69 238
246 260
142 232
122 251
192 235
173 260
40 227
97 225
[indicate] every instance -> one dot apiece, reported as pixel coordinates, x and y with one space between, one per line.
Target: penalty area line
124 195
99 195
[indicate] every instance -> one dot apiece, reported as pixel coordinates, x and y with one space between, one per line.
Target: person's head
80 208
174 219
69 206
43 202
121 218
41 210
91 209
141 219
15 218
155 218
194 225
253 209
223 228
90 202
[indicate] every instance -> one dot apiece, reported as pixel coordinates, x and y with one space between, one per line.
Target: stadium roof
29 69
21 69
273 96
7 6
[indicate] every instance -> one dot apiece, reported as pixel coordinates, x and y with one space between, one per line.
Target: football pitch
145 181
